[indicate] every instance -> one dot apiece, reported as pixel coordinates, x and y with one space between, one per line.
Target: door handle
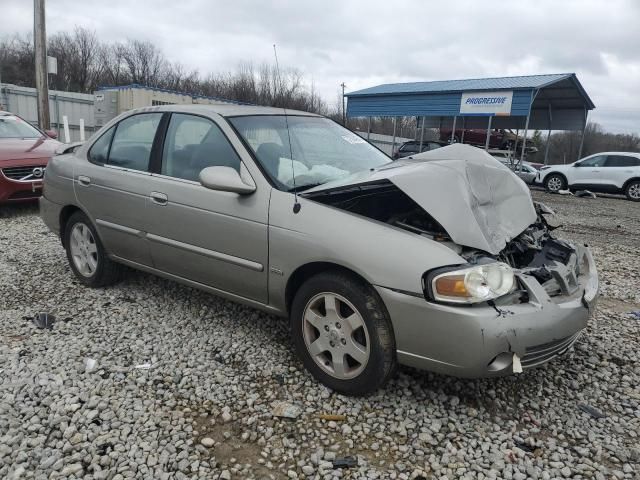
595 171
159 198
84 180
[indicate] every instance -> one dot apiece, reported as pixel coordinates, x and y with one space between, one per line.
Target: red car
24 153
499 138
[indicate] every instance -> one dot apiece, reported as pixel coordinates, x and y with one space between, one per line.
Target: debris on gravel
204 406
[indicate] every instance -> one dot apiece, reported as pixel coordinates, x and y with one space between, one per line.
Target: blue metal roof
475 84
555 101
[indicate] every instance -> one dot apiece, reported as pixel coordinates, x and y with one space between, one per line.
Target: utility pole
344 118
40 47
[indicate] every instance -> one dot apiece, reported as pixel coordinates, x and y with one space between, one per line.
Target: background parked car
613 172
499 138
526 172
24 153
412 147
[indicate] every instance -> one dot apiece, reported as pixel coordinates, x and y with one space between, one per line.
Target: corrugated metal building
112 101
76 106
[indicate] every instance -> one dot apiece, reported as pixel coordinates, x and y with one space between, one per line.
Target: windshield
322 150
14 127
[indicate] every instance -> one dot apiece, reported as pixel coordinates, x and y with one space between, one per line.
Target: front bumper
18 191
479 340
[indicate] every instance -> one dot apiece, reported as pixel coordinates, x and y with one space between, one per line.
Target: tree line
86 63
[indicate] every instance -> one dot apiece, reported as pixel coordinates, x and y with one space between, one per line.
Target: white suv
613 172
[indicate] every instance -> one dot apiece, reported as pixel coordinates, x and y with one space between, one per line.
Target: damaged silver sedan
440 261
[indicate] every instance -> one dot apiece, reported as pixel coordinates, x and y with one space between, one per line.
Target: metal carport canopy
552 102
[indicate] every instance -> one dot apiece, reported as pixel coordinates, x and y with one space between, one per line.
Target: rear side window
193 143
100 150
409 147
132 141
622 161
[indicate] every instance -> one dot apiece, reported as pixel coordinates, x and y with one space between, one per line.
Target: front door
112 186
218 239
589 171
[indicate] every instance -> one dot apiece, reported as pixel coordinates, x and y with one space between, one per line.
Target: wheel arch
560 174
308 270
65 214
626 183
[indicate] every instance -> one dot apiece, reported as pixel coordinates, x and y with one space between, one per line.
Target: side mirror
51 134
577 164
225 179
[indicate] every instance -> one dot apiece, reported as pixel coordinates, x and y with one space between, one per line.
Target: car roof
630 154
225 110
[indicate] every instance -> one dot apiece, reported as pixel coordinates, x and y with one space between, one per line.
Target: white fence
75 106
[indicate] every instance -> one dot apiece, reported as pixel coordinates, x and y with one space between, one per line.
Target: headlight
473 284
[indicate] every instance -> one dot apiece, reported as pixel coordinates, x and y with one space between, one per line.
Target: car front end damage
554 291
518 297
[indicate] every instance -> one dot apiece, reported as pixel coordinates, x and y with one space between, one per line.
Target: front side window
593 161
193 143
622 161
100 149
131 145
12 126
310 152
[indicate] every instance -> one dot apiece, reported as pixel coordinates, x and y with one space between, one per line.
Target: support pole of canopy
546 150
524 141
584 127
421 134
393 142
486 143
453 130
464 122
515 147
369 129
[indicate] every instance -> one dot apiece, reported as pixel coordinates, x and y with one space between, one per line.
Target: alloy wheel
336 336
84 250
634 191
554 184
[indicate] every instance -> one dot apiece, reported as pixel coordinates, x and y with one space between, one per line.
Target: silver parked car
441 262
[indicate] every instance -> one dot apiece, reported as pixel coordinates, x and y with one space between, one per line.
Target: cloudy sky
365 43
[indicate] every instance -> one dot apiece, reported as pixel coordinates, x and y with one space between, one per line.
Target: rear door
620 168
218 239
113 186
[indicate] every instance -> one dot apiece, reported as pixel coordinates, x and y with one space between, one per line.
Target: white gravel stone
216 369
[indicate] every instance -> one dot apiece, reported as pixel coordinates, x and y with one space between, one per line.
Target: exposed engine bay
533 252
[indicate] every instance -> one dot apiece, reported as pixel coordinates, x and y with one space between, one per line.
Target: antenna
296 204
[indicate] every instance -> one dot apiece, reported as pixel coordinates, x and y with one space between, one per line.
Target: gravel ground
184 383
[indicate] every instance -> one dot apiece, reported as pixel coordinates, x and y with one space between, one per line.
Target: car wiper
301 188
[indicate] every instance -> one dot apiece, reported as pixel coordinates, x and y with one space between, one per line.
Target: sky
366 43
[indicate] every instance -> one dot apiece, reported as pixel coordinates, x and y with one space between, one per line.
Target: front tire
343 334
86 255
632 191
554 183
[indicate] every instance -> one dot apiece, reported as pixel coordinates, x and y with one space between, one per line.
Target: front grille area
544 352
18 173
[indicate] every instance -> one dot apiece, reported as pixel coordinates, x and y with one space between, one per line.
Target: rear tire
555 182
343 334
632 191
86 255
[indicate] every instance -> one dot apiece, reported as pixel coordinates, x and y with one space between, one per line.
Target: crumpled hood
477 200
